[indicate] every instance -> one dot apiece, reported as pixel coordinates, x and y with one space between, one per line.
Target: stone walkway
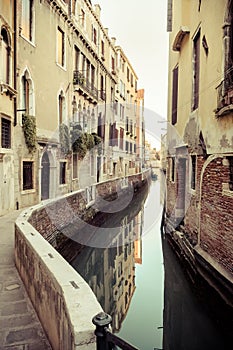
20 328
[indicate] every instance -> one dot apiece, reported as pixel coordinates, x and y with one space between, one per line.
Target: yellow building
66 81
199 137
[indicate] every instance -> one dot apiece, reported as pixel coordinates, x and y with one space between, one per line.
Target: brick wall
191 220
216 217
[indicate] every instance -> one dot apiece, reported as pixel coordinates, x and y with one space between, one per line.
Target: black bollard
102 322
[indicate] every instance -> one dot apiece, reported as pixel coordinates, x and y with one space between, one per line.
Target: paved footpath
20 328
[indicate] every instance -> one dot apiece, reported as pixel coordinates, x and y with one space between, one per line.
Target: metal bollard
102 322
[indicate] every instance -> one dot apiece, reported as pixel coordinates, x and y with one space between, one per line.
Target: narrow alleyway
20 328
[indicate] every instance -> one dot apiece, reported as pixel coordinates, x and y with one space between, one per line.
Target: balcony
82 84
225 95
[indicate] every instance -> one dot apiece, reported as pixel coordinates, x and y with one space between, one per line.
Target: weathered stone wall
63 301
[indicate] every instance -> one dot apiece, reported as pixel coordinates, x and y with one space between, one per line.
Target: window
26 90
196 70
123 65
75 165
126 146
131 79
27 176
82 17
230 159
127 73
175 73
62 179
27 16
193 172
5 133
113 64
5 57
76 58
60 47
94 35
121 138
102 47
173 169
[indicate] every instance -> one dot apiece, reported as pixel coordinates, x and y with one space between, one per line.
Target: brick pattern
217 215
58 214
191 220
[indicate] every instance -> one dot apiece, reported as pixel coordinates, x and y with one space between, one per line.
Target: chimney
97 10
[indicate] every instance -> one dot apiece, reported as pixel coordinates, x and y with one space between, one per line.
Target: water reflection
140 281
110 272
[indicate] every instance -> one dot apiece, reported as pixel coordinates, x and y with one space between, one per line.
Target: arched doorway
45 175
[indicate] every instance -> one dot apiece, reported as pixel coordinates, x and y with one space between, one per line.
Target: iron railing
225 90
81 80
105 339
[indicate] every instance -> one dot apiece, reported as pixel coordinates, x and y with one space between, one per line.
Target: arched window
27 96
5 57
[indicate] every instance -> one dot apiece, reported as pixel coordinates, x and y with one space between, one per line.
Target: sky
140 29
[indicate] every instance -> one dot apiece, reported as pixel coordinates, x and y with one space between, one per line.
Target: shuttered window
5 133
196 70
27 175
174 94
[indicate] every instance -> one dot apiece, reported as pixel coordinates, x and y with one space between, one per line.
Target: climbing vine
64 138
29 129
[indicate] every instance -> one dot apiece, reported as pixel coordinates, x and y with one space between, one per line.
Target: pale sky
140 29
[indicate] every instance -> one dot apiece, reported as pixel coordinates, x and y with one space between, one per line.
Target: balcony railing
225 94
85 84
105 340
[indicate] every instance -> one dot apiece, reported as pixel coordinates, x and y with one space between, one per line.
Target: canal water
141 284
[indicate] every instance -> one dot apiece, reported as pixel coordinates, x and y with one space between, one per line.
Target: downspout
15 61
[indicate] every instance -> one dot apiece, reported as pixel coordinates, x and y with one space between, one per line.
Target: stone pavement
20 328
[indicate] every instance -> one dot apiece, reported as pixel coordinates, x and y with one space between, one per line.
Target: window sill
226 190
62 185
28 40
28 191
192 191
62 67
7 89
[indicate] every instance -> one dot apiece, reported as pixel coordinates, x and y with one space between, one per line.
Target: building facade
7 103
58 100
199 136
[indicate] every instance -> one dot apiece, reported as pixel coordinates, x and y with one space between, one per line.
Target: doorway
45 176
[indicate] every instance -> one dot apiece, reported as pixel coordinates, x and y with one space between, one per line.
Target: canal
142 285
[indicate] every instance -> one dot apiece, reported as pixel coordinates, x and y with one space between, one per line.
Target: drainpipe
15 61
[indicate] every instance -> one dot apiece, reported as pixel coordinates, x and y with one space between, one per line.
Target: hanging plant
78 143
89 140
64 138
29 129
97 139
98 143
83 142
